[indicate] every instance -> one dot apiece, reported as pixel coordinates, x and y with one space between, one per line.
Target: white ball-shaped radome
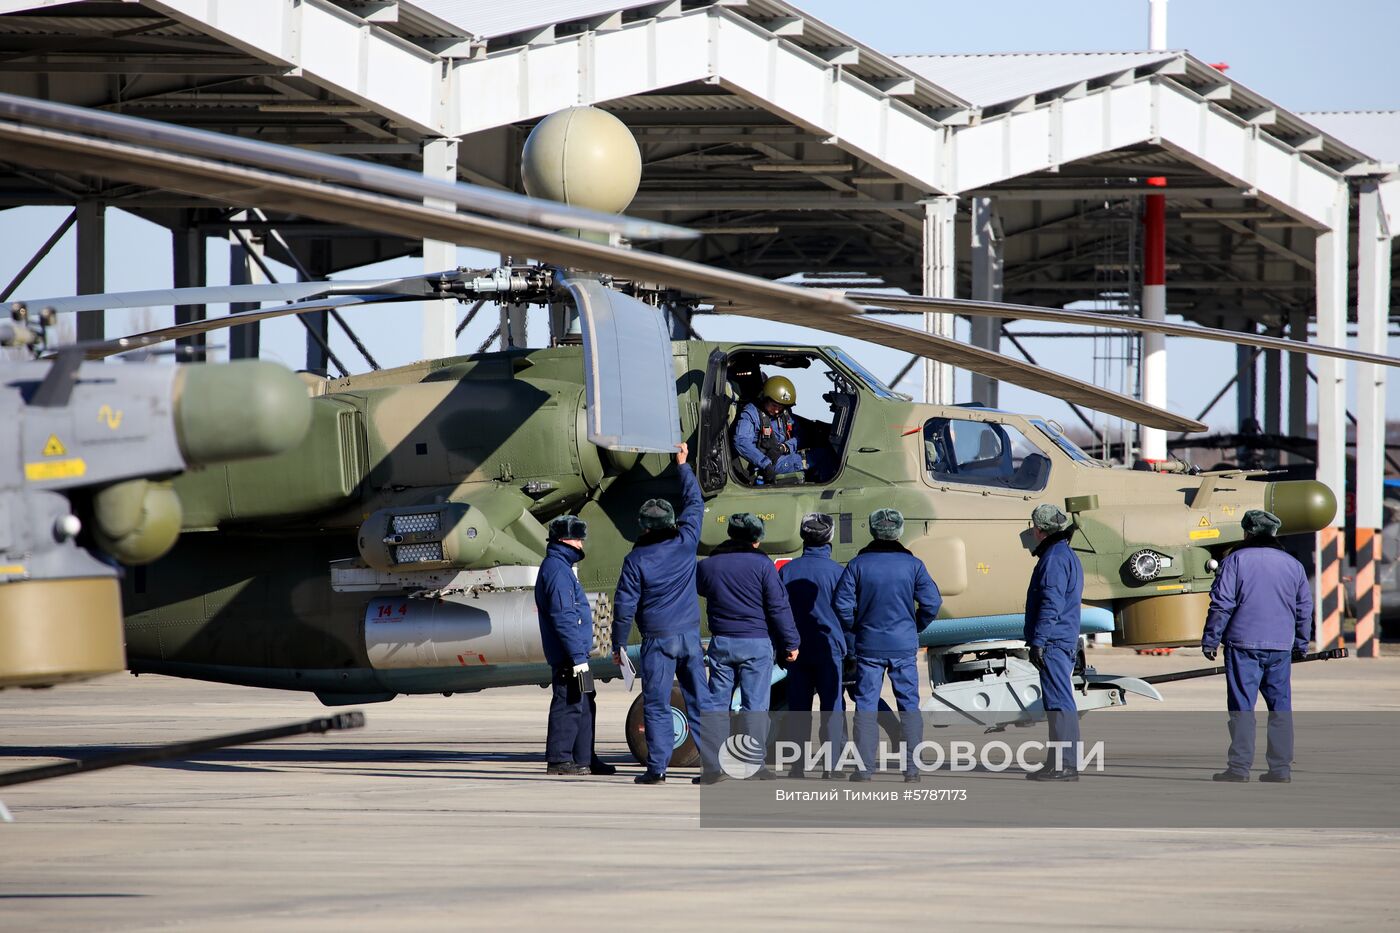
584 157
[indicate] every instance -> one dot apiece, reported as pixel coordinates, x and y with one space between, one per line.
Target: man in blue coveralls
811 581
656 588
1260 607
875 600
750 621
765 433
566 633
1052 633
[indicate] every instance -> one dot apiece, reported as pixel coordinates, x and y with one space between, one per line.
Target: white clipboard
629 673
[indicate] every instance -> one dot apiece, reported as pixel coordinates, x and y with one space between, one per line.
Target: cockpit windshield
872 382
1057 434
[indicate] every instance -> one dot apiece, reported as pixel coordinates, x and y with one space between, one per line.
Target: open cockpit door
713 437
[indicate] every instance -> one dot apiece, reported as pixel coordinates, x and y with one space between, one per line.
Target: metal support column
1152 442
1373 234
92 265
940 250
987 268
317 323
439 317
1297 379
1246 386
1273 388
189 270
245 340
1331 415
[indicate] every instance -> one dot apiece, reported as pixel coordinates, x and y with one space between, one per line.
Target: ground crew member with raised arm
810 581
885 598
1052 634
750 621
656 589
1260 608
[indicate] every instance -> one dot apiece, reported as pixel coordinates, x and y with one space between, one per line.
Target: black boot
1230 777
1045 774
599 766
564 767
651 777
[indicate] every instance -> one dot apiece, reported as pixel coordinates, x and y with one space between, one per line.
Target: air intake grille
415 523
418 553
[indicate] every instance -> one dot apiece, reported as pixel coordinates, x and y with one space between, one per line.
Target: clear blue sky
1303 54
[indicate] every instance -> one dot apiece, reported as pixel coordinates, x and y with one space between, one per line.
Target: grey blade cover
629 376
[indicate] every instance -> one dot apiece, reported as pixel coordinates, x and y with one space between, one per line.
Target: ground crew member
566 632
656 588
1052 633
750 621
875 600
810 581
765 433
1260 607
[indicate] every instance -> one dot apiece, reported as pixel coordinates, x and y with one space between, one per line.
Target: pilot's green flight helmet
780 390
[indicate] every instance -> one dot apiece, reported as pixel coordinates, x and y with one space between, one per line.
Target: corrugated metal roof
488 19
988 80
688 102
1374 132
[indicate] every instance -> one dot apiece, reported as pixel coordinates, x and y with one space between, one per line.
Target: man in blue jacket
1053 601
749 620
566 632
1260 608
810 581
876 601
765 433
656 589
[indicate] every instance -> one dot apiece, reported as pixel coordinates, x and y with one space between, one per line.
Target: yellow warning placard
54 447
43 470
1204 522
1201 534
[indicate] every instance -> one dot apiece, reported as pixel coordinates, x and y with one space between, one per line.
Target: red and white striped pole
1152 442
1152 373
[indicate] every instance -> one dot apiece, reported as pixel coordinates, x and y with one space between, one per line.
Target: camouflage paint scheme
245 596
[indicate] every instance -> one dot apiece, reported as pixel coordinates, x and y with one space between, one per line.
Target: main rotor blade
760 297
232 184
987 363
1124 322
411 287
168 297
383 178
97 351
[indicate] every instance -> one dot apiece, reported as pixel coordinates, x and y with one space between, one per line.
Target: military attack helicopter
394 550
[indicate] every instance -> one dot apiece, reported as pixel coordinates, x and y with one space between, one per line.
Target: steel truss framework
795 147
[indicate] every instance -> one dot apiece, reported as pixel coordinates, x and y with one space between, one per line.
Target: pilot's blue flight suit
1261 608
748 433
657 589
875 599
566 633
811 581
1053 602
